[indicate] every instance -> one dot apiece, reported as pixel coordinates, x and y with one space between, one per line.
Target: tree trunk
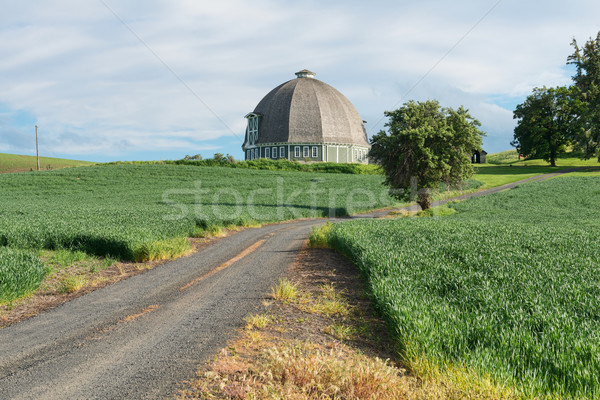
424 198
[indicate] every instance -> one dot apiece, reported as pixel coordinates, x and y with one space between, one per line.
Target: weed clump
284 290
162 249
318 236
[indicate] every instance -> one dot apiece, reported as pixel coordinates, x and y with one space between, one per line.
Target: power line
163 62
438 62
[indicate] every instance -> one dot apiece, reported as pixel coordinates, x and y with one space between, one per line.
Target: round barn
305 119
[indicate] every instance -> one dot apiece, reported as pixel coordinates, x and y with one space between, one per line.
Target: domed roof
306 110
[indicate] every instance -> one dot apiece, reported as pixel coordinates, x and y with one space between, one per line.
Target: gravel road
142 337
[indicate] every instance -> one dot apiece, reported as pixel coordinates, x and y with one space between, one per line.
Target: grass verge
303 353
66 274
21 274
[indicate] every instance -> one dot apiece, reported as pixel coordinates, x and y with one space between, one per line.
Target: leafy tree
547 121
219 157
425 145
587 79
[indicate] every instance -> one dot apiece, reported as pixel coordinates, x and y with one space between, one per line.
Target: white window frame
253 129
315 152
267 152
306 152
274 152
297 151
256 153
248 154
281 151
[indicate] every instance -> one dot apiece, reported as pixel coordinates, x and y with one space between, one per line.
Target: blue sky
112 80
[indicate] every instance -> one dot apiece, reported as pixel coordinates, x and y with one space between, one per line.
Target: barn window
315 152
305 152
252 127
267 152
274 152
297 151
282 152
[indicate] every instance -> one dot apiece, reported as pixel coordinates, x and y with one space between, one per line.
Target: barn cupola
305 74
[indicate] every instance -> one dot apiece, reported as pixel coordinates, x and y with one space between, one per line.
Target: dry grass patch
258 321
310 349
72 283
284 290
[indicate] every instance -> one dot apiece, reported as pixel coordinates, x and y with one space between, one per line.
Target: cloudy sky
156 79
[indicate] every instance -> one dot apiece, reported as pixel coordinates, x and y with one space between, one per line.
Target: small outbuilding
479 157
305 119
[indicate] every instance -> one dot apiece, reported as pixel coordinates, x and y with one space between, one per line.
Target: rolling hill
20 163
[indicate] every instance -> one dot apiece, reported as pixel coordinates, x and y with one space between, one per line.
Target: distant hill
18 163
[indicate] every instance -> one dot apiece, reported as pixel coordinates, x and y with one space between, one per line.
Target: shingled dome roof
306 110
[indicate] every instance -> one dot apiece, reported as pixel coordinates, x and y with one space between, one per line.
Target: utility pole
37 149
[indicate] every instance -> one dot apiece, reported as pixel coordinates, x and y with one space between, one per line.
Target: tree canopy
425 145
586 60
551 119
547 121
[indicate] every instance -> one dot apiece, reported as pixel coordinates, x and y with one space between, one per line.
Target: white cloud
95 88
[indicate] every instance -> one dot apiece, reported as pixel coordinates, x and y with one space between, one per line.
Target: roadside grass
19 163
162 249
66 274
20 274
284 290
318 236
70 283
258 321
69 271
500 294
328 301
304 354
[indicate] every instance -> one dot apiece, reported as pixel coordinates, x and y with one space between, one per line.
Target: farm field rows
506 290
146 212
114 209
